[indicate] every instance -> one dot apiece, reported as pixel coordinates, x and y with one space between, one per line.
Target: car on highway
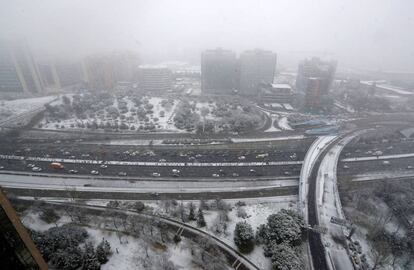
1 167
94 172
241 158
215 175
386 163
175 172
103 166
162 160
235 174
377 153
73 171
261 156
122 174
155 174
346 166
36 169
56 165
30 165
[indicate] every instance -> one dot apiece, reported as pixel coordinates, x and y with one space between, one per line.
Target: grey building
256 67
315 68
219 71
19 72
60 75
155 78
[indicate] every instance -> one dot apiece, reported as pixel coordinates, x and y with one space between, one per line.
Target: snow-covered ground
15 107
257 210
126 250
279 121
284 124
162 116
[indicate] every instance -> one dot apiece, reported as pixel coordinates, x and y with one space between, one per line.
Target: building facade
313 93
60 75
219 71
155 78
19 72
256 67
314 79
316 68
103 72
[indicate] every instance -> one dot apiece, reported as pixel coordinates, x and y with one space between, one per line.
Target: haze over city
207 135
368 34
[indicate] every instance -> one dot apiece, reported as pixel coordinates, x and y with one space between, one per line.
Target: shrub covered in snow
284 257
279 235
61 247
285 226
244 236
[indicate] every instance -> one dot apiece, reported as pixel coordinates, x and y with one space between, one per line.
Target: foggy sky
375 34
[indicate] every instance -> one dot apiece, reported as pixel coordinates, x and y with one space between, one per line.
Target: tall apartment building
19 72
315 68
219 71
256 67
60 75
313 93
103 72
155 78
314 78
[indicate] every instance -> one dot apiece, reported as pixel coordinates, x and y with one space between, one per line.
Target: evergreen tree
200 218
103 250
90 260
191 215
285 258
244 236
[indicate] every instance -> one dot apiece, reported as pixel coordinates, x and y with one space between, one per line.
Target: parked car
94 172
122 174
155 174
73 171
103 166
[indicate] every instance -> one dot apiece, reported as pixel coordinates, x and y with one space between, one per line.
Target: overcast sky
375 34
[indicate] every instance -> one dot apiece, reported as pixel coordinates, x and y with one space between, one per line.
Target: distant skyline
373 34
